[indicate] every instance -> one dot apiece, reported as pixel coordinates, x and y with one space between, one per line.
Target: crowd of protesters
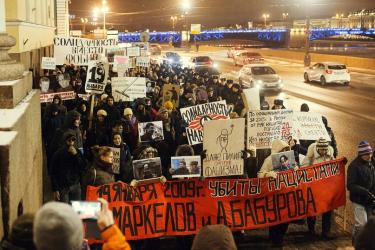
78 138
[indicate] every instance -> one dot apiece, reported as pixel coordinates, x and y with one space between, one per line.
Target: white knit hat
57 227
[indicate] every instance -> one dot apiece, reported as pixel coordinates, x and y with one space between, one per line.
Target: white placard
143 61
79 51
116 160
267 125
49 63
48 97
128 88
133 51
309 126
251 99
97 75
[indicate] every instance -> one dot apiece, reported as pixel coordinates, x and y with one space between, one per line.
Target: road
349 109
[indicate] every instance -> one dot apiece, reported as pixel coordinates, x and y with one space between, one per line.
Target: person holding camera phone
361 185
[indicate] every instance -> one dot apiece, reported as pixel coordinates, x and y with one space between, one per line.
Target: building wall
62 18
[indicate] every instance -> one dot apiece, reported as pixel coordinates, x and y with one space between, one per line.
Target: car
234 50
171 58
201 61
327 72
260 76
244 58
155 49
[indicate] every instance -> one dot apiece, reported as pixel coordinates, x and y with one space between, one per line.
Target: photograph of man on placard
185 166
151 131
283 161
147 168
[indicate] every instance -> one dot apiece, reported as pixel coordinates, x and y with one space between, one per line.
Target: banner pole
91 110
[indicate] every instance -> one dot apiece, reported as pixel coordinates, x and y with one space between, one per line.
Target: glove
134 183
271 174
204 154
296 168
163 180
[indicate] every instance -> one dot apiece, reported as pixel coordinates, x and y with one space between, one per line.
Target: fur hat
322 144
101 112
128 111
57 227
184 150
218 237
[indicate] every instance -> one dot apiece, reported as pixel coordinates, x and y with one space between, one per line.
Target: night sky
155 14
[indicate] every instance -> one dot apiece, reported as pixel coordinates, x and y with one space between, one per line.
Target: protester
214 237
21 234
126 167
66 168
365 238
361 185
318 152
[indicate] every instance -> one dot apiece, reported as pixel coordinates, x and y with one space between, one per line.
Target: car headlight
170 60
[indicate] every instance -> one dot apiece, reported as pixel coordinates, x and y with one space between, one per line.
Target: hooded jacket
114 240
277 147
313 157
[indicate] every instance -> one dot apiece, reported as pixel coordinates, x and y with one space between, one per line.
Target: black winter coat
361 181
66 169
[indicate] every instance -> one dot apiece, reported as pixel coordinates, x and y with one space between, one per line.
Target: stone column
9 69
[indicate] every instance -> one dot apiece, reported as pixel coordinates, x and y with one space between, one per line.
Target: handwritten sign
309 126
116 160
48 63
128 88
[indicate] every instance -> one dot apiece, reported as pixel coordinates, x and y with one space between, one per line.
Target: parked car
155 49
234 50
244 58
260 76
327 72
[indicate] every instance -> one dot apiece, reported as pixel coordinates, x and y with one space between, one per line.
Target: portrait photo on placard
283 161
147 168
186 166
151 131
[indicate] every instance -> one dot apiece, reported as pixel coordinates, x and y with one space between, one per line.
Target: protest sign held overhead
196 116
147 168
283 161
309 126
128 88
150 131
116 160
171 92
251 98
97 75
133 51
185 166
143 61
48 63
80 51
223 142
267 125
184 207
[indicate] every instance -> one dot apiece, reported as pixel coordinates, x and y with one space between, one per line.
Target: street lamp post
285 16
103 9
84 21
265 16
174 19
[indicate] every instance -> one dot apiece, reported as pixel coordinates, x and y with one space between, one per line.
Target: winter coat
98 135
68 125
313 157
126 166
277 147
361 181
66 168
99 174
113 239
113 113
50 125
130 133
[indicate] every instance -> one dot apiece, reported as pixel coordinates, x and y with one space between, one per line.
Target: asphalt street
349 109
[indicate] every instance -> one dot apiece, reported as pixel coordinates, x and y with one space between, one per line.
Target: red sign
183 207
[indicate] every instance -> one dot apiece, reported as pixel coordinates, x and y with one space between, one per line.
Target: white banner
133 51
79 51
143 61
309 126
97 75
48 97
49 63
251 98
128 88
265 126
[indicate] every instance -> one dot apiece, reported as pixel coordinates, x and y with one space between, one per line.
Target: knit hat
21 234
305 107
69 134
364 148
168 105
128 111
278 102
57 227
321 144
101 112
218 237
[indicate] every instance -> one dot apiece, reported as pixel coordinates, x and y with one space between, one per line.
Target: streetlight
285 15
174 19
265 16
186 5
103 9
84 21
